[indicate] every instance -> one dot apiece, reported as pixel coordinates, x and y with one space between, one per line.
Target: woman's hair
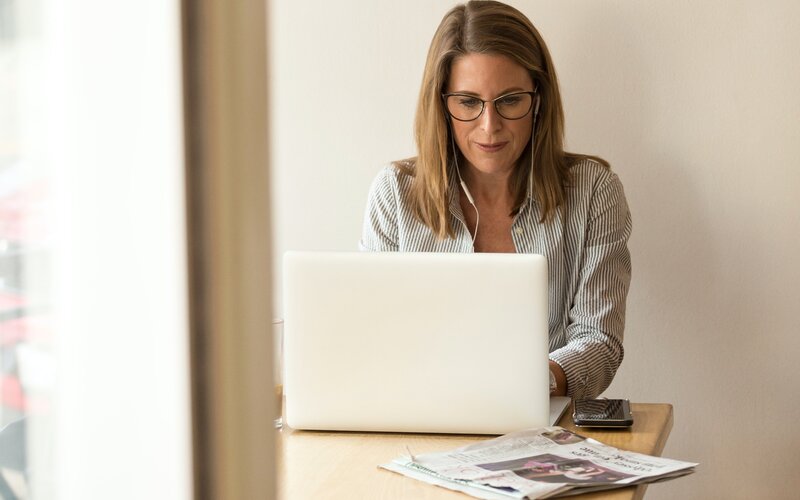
487 27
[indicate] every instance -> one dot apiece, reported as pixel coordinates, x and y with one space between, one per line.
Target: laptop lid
415 342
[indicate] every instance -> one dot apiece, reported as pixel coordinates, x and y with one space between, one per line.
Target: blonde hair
487 27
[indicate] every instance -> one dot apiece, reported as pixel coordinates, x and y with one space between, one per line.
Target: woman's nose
490 120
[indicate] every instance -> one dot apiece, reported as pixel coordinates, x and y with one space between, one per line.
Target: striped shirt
585 243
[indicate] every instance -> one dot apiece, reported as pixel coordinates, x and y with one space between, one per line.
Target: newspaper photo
537 463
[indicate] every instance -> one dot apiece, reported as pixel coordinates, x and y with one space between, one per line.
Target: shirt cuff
575 369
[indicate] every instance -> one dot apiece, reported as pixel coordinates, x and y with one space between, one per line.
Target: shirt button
518 231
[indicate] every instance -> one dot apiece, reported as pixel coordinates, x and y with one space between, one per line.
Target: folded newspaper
538 463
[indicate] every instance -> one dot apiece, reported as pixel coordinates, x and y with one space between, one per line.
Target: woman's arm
593 350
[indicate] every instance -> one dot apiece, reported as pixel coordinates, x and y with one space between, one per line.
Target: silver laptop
416 342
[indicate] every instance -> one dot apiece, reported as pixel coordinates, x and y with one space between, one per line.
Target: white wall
696 106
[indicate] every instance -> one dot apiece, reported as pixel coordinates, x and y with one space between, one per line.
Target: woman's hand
561 379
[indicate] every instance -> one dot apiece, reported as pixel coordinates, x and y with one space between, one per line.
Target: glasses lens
464 107
514 106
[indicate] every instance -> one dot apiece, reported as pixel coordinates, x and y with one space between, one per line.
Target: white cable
533 146
466 191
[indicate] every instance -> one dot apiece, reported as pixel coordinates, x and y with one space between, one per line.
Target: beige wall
696 106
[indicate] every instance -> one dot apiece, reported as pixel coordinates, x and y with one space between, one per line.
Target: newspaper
537 463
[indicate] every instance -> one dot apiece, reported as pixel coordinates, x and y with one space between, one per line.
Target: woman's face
491 144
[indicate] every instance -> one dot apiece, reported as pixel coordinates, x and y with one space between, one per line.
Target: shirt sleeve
593 349
380 232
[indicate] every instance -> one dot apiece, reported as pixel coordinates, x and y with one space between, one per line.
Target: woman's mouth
491 147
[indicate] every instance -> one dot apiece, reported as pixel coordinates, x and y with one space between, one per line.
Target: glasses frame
532 93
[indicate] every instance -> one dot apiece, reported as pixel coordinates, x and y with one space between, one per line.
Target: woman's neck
488 189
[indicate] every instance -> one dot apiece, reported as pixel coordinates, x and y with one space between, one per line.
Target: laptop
416 342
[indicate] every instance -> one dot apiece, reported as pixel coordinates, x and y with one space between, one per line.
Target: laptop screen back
415 342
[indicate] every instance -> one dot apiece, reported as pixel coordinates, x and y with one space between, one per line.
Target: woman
491 175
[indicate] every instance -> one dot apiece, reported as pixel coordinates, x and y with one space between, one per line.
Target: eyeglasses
465 107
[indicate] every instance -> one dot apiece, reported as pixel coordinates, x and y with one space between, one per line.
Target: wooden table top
344 465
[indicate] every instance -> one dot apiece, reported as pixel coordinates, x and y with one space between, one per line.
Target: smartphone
602 413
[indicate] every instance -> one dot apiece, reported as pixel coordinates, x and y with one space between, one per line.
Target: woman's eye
511 100
469 102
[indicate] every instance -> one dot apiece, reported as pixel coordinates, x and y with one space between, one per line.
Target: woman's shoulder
393 177
405 168
594 187
396 173
591 173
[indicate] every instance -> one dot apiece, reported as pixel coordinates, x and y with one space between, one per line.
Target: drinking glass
277 369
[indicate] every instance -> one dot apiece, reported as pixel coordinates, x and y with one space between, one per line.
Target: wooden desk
344 465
